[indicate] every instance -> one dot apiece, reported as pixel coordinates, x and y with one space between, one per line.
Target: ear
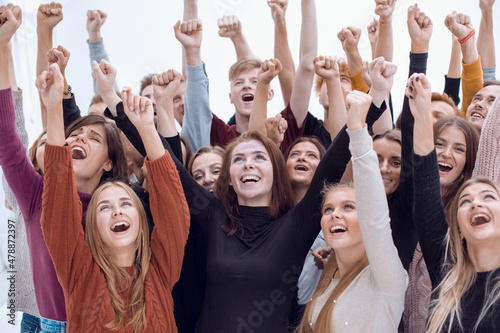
270 94
231 98
108 165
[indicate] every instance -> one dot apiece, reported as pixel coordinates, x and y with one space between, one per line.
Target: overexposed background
139 38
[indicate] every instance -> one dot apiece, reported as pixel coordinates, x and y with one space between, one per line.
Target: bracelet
69 91
466 38
382 22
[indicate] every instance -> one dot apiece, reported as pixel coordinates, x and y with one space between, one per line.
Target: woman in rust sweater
113 278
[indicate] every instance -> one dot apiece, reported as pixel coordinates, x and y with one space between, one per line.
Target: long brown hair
460 273
472 142
32 153
324 321
116 154
281 193
117 278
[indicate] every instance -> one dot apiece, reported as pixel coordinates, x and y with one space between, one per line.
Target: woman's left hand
138 109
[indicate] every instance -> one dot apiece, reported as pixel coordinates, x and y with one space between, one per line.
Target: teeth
301 167
386 181
337 228
119 224
445 165
80 149
477 115
250 178
479 216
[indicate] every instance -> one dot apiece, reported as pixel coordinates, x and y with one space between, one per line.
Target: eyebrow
96 133
252 153
107 201
483 191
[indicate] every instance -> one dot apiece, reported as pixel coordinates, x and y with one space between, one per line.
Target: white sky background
139 38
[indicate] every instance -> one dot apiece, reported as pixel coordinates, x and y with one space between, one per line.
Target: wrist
419 47
95 37
385 19
193 56
355 126
44 30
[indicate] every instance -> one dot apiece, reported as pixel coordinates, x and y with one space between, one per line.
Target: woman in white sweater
363 285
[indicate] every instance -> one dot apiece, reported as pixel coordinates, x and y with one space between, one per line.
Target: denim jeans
30 324
52 326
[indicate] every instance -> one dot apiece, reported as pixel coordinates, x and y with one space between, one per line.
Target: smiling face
251 174
451 148
89 150
206 168
481 103
117 219
340 221
389 163
243 91
302 162
478 212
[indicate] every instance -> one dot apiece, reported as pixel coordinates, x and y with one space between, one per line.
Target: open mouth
479 219
247 98
477 115
387 180
120 227
78 153
250 179
444 167
338 229
301 167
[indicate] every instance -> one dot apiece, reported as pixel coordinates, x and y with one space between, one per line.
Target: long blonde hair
324 321
117 278
460 273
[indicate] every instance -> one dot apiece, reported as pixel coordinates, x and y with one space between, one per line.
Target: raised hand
11 18
418 90
189 33
321 256
229 26
50 84
459 24
268 70
165 85
278 9
384 9
349 37
60 56
419 28
276 128
366 73
104 75
382 75
486 4
326 67
357 104
95 20
372 29
49 15
138 109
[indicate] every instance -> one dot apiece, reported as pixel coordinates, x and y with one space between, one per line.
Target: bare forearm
336 115
44 46
469 51
4 67
385 43
241 47
485 40
190 13
282 52
455 60
259 108
12 73
193 56
166 120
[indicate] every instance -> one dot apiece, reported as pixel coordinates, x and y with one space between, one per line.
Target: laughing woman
460 247
113 279
363 284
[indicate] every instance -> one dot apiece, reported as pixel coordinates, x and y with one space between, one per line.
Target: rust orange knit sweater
88 303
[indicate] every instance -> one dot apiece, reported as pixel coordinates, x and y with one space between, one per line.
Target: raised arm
382 77
165 85
276 128
488 154
336 114
385 45
371 202
349 37
281 47
190 13
373 31
452 79
97 52
230 27
302 83
198 116
486 41
48 16
461 27
268 71
428 211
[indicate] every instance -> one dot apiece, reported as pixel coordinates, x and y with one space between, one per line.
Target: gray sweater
25 293
374 301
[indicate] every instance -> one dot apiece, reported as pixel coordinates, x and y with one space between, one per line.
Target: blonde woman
461 248
363 285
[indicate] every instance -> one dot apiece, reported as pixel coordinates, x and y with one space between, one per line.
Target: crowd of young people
151 214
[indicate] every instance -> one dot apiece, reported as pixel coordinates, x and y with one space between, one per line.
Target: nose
447 151
336 214
209 178
81 136
384 167
249 164
479 104
117 211
476 203
302 157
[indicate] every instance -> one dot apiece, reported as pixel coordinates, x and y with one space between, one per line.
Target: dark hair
437 97
391 135
282 199
32 153
188 151
202 151
116 154
146 81
312 139
98 99
491 83
472 142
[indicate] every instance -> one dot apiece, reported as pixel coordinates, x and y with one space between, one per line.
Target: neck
123 257
484 256
300 192
241 122
347 258
87 185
